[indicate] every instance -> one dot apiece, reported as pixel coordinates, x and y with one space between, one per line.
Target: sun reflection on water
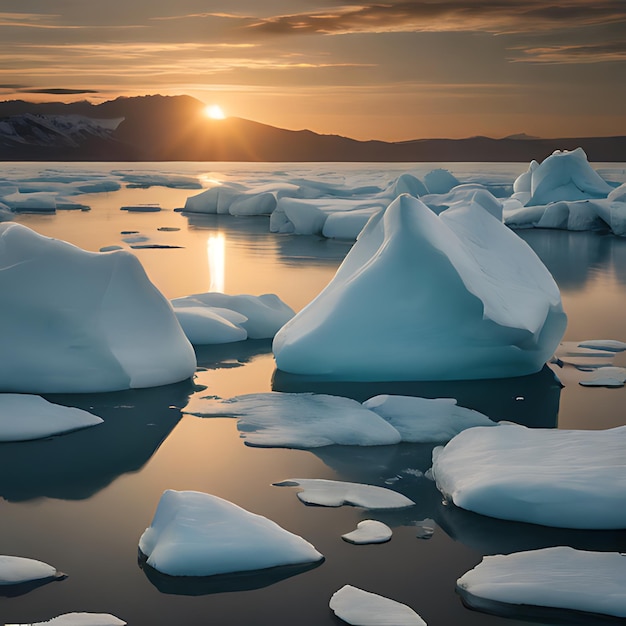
216 253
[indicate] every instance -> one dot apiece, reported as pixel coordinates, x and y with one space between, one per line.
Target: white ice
426 420
553 477
606 377
39 202
559 577
499 315
362 608
337 493
16 569
79 619
264 314
83 321
24 417
211 325
369 531
198 534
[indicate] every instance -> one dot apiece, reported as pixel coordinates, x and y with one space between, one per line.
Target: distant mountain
161 128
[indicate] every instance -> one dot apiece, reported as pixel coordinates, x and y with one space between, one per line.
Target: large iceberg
559 577
553 477
428 297
83 321
198 534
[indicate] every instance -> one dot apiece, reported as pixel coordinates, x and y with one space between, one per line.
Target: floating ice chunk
253 204
424 420
265 314
425 528
15 570
464 194
347 225
562 478
144 181
205 325
214 200
440 181
610 345
606 377
141 208
197 534
362 608
111 248
385 315
337 493
24 417
83 321
559 577
563 176
80 619
30 202
305 420
369 531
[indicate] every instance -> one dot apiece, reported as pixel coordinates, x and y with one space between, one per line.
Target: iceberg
559 577
265 314
83 321
198 534
369 531
362 608
337 493
24 417
385 315
606 377
552 477
423 420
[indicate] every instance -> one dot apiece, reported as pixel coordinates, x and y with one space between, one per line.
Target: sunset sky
391 70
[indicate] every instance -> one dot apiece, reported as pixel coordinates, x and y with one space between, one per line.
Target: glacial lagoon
81 501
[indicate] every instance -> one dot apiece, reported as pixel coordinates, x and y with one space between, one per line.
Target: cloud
576 53
58 91
493 16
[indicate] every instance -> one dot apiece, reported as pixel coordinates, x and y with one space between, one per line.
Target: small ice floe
264 314
24 417
610 345
80 619
425 528
606 377
110 248
39 202
168 229
497 290
138 180
198 534
559 577
141 208
335 493
362 608
426 420
369 531
301 420
553 477
19 575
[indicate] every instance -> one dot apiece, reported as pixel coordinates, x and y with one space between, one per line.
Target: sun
214 111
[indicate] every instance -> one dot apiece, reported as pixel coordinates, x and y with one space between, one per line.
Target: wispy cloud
493 16
576 53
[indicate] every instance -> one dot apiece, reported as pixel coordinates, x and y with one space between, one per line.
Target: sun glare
214 111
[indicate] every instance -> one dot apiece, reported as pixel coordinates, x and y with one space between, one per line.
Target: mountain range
175 128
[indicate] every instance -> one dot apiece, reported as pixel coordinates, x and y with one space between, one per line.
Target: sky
390 70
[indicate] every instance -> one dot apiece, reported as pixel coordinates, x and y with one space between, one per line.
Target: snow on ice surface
16 569
499 316
552 477
83 321
79 619
337 493
265 314
362 608
426 420
198 534
24 417
369 531
559 577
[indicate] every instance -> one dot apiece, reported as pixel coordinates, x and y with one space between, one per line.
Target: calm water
81 501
